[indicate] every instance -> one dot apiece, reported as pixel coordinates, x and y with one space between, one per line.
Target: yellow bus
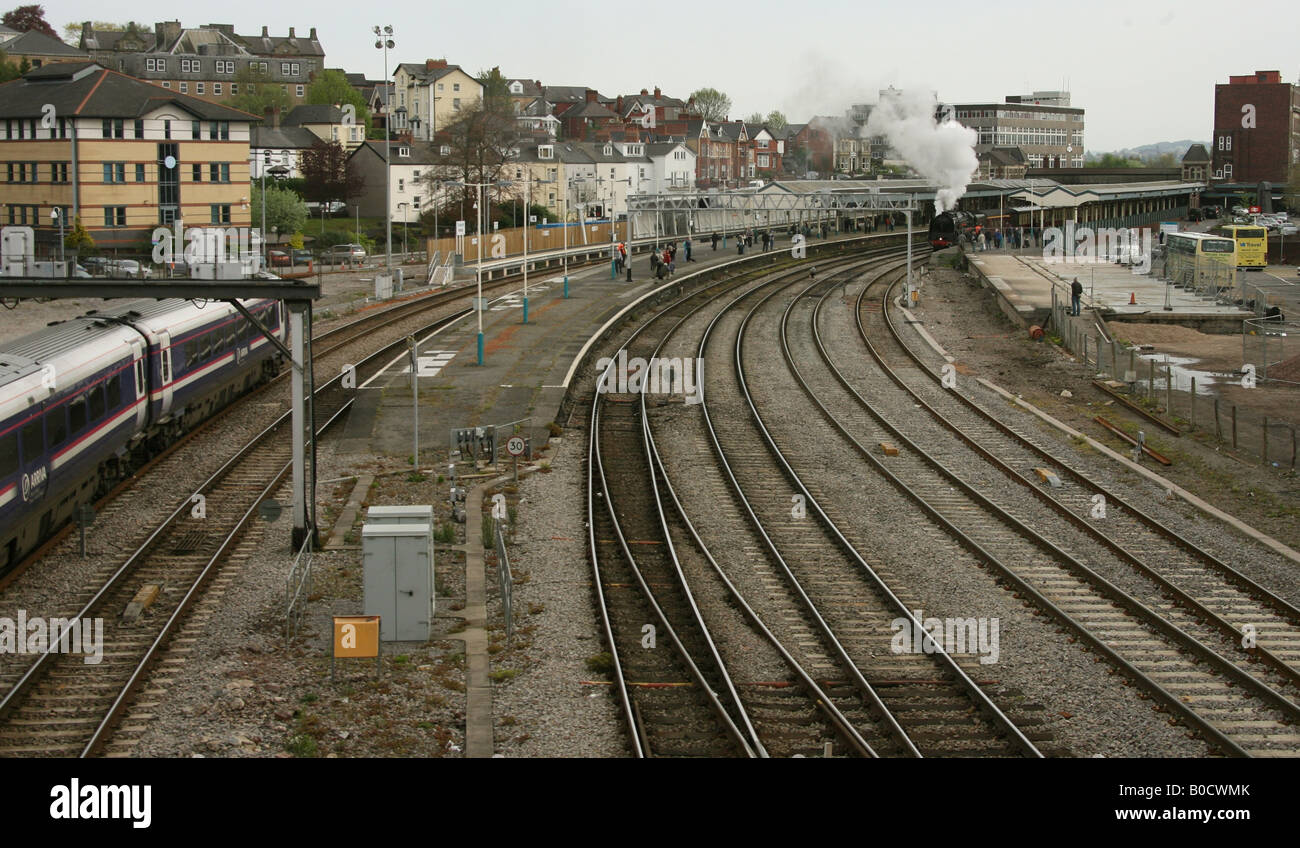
1252 244
1201 262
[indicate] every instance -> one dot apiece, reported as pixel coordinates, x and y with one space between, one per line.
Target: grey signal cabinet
398 579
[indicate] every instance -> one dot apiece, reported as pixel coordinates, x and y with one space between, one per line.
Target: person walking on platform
1076 294
981 241
714 239
687 244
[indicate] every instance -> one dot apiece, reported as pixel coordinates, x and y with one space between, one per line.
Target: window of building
234 88
455 104
216 89
404 152
219 130
114 216
114 128
139 172
198 88
221 213
185 87
219 172
196 173
1227 171
166 84
114 172
300 90
445 150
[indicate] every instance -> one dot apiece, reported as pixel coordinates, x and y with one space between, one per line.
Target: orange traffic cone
1132 299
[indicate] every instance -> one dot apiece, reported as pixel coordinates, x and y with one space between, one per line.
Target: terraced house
208 61
124 155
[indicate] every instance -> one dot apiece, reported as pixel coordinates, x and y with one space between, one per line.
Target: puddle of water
1181 372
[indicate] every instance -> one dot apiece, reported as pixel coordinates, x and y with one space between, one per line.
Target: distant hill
1151 151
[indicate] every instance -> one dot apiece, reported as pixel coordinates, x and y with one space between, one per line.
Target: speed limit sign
515 446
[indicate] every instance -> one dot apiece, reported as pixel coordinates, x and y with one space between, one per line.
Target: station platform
1024 286
526 367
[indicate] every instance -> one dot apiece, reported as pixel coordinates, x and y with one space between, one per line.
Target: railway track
641 548
61 706
924 704
1197 673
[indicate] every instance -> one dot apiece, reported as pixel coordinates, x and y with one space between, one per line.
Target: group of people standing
1014 238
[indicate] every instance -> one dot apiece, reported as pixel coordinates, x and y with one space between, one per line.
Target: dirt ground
965 319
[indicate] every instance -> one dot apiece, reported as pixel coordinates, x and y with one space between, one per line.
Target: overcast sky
1144 72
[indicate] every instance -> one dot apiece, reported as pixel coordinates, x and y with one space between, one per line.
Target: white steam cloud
941 152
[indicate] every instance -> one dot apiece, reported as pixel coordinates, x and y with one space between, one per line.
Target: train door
35 466
165 370
140 374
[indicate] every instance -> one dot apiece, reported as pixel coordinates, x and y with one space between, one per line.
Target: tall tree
8 70
776 121
72 30
712 104
327 174
495 86
755 119
479 145
28 19
257 93
285 211
332 88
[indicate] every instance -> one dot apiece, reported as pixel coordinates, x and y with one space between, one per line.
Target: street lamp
266 163
384 41
55 217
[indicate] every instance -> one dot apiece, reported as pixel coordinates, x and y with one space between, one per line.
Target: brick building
1256 129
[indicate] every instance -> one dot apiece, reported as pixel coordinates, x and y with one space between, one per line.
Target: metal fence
506 580
1270 344
297 590
1216 282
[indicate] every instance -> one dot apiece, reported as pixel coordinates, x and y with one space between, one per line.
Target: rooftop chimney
266 33
591 95
313 33
430 64
619 108
645 93
272 119
658 93
291 35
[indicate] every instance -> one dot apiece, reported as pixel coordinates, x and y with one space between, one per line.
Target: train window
232 336
165 357
96 397
77 415
205 347
33 440
189 352
113 391
58 425
8 454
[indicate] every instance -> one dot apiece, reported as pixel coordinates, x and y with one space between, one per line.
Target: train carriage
86 401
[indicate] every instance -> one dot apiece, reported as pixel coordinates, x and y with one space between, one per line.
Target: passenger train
948 227
85 402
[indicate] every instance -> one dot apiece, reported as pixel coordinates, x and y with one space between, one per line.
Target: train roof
173 314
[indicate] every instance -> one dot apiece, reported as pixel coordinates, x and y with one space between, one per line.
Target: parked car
128 268
347 253
96 265
279 257
301 257
80 272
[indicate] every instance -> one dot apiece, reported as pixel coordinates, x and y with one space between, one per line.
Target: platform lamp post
384 42
478 207
56 218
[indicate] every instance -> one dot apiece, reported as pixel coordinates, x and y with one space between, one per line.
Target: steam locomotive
948 227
